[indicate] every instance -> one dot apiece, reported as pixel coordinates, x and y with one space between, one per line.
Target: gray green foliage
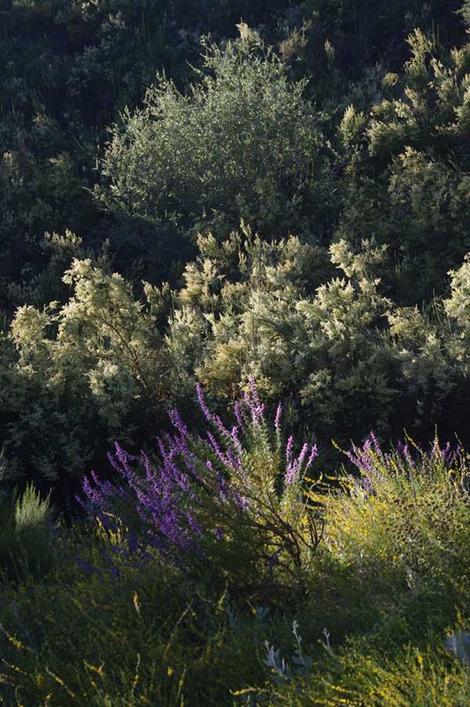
69 69
240 143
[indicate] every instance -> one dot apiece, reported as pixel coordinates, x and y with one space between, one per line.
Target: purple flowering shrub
232 500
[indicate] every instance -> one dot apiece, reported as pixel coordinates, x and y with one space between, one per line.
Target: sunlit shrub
230 503
241 143
403 519
358 675
402 187
25 535
73 375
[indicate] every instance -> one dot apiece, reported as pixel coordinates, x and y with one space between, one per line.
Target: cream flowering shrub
346 358
457 308
342 352
87 368
406 181
271 317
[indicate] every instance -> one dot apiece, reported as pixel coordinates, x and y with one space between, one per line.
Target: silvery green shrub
241 142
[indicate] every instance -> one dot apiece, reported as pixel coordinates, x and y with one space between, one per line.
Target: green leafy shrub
405 521
387 585
241 143
358 675
390 582
141 635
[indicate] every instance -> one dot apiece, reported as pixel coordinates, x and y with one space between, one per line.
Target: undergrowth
129 611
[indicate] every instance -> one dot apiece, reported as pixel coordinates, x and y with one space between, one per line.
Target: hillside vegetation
234 352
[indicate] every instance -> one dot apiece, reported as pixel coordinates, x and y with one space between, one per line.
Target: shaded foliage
128 626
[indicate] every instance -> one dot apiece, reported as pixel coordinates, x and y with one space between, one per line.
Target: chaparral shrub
230 503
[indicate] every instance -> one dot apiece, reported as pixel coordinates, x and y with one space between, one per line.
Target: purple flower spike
312 457
277 420
291 474
239 415
289 448
302 455
178 423
202 403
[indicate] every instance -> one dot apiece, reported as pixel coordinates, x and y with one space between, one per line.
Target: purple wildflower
291 474
289 448
202 403
160 504
240 415
277 420
312 457
178 423
236 440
